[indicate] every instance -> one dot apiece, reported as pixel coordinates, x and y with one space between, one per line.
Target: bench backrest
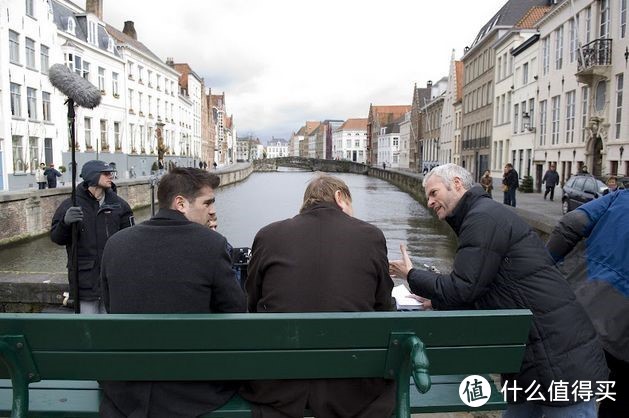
258 346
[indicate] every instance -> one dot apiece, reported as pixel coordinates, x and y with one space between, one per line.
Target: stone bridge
310 164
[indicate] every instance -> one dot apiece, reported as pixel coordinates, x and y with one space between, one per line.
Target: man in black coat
172 263
551 179
322 260
51 174
501 263
100 213
510 183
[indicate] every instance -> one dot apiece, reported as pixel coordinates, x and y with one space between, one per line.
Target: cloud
282 62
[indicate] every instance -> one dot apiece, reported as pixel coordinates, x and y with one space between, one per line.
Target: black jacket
551 178
168 265
511 179
99 223
501 263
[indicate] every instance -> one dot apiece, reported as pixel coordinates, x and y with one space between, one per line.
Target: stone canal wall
27 213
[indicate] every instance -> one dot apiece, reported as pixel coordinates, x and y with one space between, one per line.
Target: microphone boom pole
74 256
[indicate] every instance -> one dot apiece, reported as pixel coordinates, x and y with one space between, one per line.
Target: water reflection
263 198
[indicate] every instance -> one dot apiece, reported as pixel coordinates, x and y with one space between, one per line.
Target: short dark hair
186 182
322 189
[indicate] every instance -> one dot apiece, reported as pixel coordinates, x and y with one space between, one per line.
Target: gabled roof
61 13
508 15
123 38
386 114
217 100
356 124
530 19
311 126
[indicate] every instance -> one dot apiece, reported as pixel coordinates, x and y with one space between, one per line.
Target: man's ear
180 204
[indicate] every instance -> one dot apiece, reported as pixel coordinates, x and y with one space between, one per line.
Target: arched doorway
597 157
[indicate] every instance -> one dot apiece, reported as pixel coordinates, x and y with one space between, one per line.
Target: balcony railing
596 53
476 143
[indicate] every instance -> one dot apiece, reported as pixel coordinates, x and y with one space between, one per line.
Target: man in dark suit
172 263
322 260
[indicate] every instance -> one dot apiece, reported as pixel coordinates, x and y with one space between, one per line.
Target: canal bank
26 214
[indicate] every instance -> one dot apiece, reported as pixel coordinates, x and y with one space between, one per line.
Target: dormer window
71 28
92 32
110 44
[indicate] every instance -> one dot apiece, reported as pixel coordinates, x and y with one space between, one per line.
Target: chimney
429 84
94 7
170 62
129 29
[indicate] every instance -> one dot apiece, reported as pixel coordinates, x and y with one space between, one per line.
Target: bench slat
80 399
281 331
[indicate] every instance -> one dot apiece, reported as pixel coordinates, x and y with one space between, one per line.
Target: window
33 153
619 85
31 102
516 114
559 48
86 70
149 77
158 82
140 101
16 98
570 112
114 84
88 132
573 40
30 53
92 32
101 79
532 112
14 47
30 8
130 67
46 106
44 58
71 28
585 95
604 14
140 71
18 154
525 73
132 137
499 66
502 109
588 24
117 142
556 112
104 144
545 55
523 111
508 108
130 100
542 122
623 18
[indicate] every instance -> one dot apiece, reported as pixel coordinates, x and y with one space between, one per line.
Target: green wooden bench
53 360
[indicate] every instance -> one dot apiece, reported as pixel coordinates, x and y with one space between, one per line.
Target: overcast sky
282 62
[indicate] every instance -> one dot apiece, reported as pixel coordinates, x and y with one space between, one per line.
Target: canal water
245 207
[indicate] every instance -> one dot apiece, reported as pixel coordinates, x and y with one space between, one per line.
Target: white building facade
277 148
349 141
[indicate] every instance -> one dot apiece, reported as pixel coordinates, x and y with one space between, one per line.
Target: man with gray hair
501 263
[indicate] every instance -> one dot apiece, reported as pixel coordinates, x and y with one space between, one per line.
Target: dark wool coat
322 260
551 178
99 223
168 265
501 263
511 179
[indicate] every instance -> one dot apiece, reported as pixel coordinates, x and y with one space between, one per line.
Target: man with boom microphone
84 222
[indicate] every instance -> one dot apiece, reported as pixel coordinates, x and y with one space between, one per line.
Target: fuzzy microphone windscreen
84 93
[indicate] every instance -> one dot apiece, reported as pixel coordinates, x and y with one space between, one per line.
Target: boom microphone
78 89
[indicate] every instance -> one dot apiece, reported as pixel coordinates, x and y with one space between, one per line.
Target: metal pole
74 258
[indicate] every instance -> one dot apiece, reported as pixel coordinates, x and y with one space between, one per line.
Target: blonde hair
322 189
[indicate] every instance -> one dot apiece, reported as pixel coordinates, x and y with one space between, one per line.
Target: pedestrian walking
40 177
502 264
551 179
51 174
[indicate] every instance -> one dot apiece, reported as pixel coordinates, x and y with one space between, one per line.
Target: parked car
623 182
580 189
